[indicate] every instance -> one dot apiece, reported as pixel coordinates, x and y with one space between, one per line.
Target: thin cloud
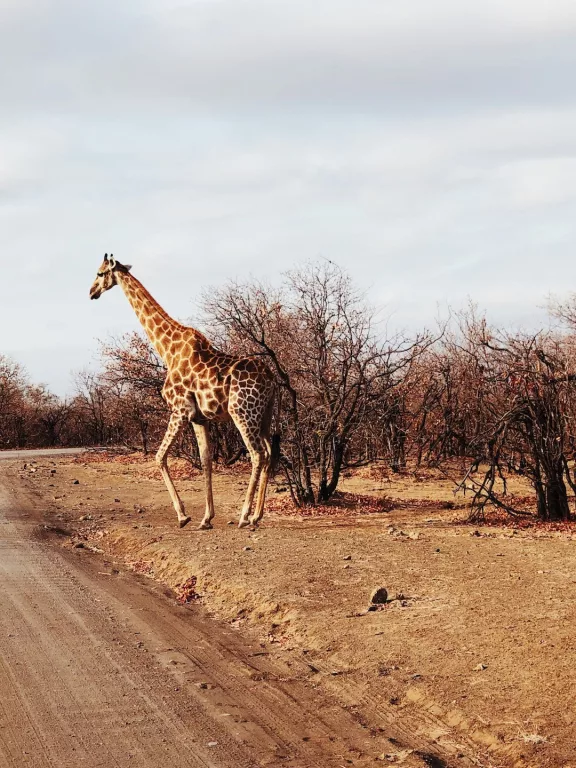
429 146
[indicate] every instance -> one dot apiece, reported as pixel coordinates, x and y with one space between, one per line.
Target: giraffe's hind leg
175 424
250 407
264 476
267 463
255 446
258 458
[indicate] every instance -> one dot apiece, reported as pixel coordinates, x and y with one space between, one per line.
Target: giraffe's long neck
159 326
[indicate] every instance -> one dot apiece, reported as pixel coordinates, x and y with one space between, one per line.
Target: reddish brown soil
475 654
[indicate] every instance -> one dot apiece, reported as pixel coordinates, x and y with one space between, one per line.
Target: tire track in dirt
98 669
67 684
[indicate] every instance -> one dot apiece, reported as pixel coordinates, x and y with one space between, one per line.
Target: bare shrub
335 375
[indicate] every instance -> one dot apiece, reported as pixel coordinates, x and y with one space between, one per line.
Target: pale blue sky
429 146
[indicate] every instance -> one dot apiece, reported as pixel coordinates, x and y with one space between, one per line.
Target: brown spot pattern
204 384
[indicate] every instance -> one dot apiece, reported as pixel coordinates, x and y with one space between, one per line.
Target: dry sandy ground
100 669
476 655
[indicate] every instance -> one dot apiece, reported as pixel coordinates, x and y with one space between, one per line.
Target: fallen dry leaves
186 593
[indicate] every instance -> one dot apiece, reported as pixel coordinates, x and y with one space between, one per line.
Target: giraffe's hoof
205 526
243 523
184 521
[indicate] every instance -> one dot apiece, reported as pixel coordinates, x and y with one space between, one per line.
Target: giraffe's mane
160 309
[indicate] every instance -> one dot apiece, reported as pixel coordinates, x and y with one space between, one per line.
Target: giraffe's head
107 276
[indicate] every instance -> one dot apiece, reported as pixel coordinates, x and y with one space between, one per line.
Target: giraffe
202 385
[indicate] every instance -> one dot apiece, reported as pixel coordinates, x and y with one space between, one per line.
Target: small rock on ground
379 596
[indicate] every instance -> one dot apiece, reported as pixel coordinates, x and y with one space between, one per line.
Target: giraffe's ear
127 267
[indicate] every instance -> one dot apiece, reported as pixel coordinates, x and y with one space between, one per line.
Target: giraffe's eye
100 274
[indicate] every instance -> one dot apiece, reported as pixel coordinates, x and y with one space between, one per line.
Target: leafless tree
527 422
335 375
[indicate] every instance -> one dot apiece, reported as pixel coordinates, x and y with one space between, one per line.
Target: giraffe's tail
275 453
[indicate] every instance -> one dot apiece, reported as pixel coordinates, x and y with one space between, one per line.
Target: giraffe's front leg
205 450
175 424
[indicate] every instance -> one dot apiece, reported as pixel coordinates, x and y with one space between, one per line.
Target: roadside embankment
473 653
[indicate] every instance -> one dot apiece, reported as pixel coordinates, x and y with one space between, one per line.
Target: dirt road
39 453
99 668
